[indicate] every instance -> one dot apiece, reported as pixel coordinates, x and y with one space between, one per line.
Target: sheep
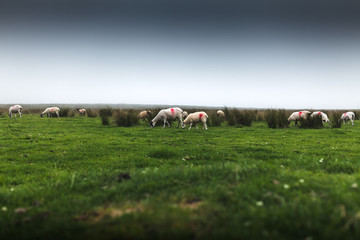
347 117
145 115
220 113
81 111
324 117
185 114
195 118
296 116
15 109
169 114
50 111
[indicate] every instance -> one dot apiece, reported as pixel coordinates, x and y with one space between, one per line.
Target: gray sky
215 55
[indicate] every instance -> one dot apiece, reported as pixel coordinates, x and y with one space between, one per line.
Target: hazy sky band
214 53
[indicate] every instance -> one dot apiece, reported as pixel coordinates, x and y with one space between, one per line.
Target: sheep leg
296 122
190 126
178 123
168 123
205 126
20 114
164 123
57 113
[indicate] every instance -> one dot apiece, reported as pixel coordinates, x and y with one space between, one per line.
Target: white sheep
81 111
220 113
15 109
144 115
169 114
50 111
324 117
185 114
196 117
296 116
347 117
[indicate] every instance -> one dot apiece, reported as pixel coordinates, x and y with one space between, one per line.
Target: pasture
74 177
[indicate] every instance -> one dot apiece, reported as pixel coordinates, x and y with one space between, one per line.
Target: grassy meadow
75 178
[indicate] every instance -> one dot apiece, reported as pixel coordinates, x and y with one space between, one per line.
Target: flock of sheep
48 111
192 118
297 116
177 113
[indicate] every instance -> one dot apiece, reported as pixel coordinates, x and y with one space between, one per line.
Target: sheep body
297 116
144 114
81 111
195 118
347 117
51 110
324 117
220 113
169 114
15 109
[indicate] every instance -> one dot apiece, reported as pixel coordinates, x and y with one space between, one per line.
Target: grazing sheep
169 114
81 111
145 115
195 118
347 117
15 109
296 116
50 111
324 117
185 114
220 113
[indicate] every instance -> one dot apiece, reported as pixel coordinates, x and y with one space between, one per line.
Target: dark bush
335 119
71 113
91 113
105 114
239 117
124 118
230 116
311 122
276 118
260 115
244 117
214 119
357 115
33 111
282 118
64 112
105 120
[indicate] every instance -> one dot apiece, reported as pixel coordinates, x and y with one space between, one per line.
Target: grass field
75 178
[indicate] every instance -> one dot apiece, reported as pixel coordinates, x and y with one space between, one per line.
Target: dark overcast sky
191 14
258 50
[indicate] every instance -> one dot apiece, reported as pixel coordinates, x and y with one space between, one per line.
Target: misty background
255 54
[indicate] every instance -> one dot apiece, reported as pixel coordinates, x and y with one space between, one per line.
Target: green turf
67 178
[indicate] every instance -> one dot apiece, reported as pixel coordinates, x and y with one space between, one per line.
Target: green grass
67 178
